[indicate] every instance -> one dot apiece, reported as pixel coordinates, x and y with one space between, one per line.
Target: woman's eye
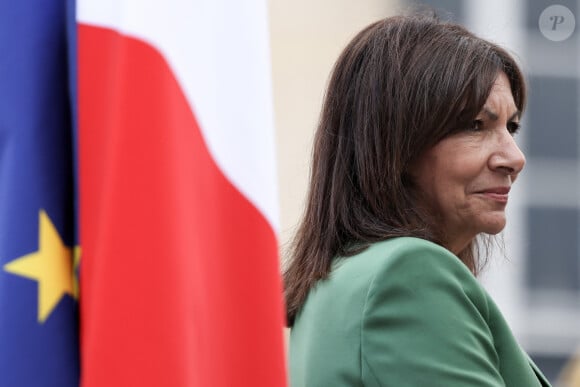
476 126
513 127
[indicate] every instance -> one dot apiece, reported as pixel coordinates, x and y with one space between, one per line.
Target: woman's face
467 176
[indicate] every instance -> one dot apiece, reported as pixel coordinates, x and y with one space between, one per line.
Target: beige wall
306 38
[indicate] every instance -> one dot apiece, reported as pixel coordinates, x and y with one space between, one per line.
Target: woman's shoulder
383 263
426 319
403 254
408 263
397 270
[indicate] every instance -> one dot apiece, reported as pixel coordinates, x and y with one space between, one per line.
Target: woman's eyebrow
517 114
494 117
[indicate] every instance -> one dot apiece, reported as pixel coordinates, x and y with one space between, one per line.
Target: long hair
399 87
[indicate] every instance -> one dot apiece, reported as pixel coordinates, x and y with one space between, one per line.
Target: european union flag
38 305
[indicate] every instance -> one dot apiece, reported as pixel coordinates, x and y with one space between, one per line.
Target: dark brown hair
399 87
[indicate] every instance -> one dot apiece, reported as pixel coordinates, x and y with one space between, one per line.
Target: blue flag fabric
38 293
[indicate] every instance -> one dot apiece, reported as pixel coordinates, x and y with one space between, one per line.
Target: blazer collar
538 373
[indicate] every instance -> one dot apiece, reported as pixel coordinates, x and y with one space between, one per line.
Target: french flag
179 275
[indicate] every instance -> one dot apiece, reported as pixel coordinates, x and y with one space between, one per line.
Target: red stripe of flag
179 274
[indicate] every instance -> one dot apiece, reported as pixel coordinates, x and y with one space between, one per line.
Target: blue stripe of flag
36 172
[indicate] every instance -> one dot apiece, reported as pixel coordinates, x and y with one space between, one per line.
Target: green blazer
405 312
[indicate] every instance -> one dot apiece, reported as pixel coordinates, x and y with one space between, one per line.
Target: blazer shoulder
425 319
407 256
409 260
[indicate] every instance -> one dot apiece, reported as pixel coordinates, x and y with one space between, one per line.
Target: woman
414 158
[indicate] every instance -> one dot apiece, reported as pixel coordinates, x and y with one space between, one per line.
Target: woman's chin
493 225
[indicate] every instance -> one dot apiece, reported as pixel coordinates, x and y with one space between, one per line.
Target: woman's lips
499 194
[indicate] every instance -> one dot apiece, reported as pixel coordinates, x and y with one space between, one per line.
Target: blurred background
536 279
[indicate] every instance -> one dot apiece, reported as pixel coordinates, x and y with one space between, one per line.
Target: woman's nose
507 156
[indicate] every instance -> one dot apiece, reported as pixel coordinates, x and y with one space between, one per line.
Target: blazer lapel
538 373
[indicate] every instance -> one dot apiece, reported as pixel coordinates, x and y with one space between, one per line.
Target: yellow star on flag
51 266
